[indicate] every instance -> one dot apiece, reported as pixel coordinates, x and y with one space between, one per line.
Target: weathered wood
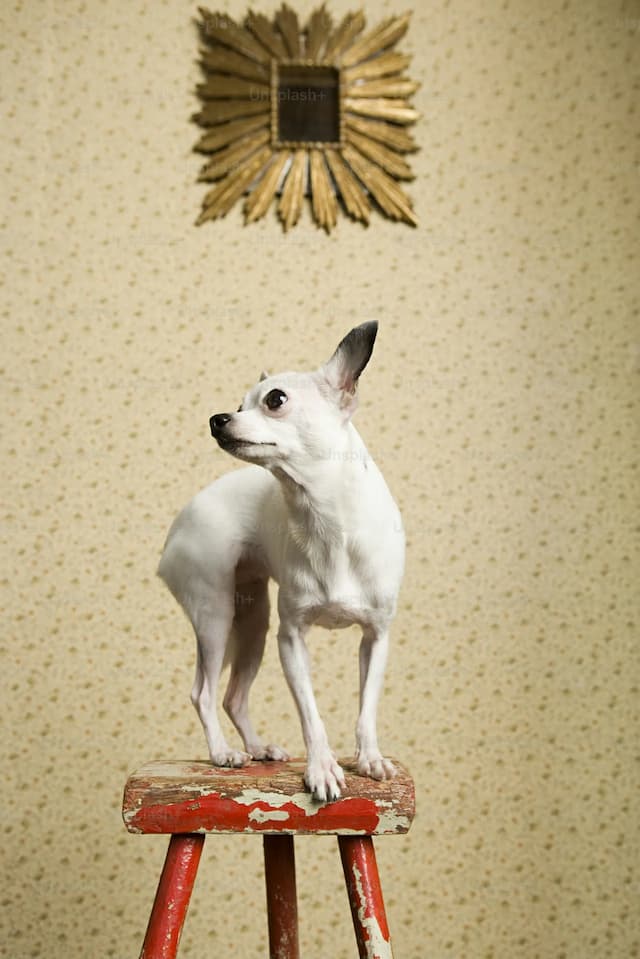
282 905
265 797
365 897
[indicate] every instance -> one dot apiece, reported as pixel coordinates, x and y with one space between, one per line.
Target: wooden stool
189 799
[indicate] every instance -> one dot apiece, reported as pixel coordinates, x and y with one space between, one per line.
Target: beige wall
501 403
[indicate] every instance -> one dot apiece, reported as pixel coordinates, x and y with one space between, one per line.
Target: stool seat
174 796
188 799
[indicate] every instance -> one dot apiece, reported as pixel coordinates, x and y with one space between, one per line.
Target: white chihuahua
314 514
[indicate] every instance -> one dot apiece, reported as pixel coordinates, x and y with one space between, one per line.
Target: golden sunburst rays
292 109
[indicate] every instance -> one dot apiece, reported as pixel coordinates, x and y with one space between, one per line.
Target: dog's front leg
323 776
373 659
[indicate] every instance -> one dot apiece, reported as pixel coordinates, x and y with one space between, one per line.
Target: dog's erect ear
351 357
263 376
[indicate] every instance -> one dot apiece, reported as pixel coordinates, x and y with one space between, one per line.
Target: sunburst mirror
317 109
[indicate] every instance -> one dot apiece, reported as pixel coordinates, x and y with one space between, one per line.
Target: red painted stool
189 799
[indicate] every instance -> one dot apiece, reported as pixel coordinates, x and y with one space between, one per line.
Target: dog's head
297 416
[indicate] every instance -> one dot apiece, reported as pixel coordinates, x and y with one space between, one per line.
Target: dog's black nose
218 422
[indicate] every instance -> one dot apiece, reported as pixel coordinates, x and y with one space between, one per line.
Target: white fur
314 514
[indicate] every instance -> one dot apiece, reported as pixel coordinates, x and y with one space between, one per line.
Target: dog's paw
269 752
375 766
230 757
324 778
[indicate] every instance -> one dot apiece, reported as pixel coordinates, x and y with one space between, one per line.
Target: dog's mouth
230 443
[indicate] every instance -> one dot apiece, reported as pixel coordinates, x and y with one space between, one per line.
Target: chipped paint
268 815
215 812
391 820
375 943
303 801
181 797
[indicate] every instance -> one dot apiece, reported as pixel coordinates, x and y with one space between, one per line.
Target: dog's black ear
351 357
263 376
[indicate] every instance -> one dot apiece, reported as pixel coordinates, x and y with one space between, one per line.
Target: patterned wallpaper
501 403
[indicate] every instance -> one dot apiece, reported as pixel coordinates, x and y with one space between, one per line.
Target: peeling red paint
177 796
365 897
215 812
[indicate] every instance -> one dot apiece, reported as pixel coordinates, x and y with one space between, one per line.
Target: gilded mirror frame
359 171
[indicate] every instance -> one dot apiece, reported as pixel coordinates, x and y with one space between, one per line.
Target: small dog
313 513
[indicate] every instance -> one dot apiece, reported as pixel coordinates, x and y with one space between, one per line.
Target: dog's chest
340 591
338 615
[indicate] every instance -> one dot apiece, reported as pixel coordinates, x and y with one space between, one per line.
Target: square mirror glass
307 104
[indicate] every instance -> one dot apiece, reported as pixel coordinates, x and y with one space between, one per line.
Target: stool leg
365 897
282 906
172 898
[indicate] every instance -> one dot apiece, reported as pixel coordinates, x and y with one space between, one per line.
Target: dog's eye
275 399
